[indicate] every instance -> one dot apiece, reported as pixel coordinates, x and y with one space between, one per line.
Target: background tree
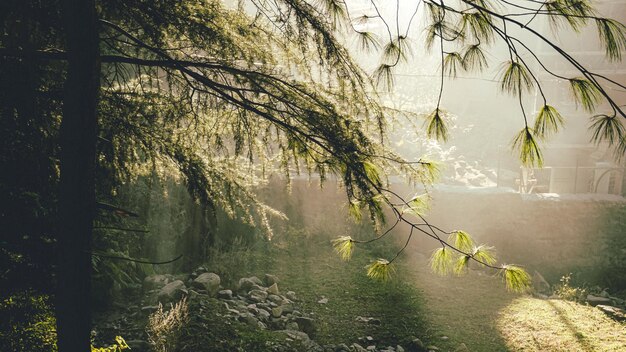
221 98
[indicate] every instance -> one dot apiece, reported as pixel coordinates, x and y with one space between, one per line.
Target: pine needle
383 75
441 261
612 36
462 240
453 62
515 78
343 246
418 205
516 278
548 121
585 93
380 269
436 127
529 152
607 128
474 58
461 264
430 170
368 41
484 254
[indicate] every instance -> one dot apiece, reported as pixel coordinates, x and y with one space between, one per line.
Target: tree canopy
224 94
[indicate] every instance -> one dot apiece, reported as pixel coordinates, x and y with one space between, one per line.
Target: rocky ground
253 306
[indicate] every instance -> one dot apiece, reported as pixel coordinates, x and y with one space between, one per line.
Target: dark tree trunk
77 183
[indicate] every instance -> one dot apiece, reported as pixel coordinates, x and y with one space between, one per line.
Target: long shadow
580 337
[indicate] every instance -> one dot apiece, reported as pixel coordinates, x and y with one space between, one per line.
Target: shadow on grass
578 335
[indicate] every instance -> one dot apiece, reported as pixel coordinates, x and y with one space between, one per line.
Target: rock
323 301
273 289
245 284
461 348
416 345
249 319
173 291
444 337
307 325
291 296
256 280
342 348
274 298
294 334
399 348
209 282
225 294
277 312
154 282
432 348
540 284
596 300
614 312
292 325
257 295
371 348
357 348
271 279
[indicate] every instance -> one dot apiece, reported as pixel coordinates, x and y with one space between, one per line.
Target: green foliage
572 12
548 121
484 254
516 278
529 152
452 63
441 260
585 93
607 128
568 292
461 264
436 127
28 323
418 205
515 78
343 246
474 58
380 269
120 345
462 240
613 37
368 41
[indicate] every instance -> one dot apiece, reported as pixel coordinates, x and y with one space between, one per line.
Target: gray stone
273 289
263 314
154 282
225 294
257 295
209 282
323 301
292 325
596 300
399 348
371 348
432 348
277 312
416 345
245 285
173 291
249 319
291 296
357 348
271 279
256 280
274 298
307 325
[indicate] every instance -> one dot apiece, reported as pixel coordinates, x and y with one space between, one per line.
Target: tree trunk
77 182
